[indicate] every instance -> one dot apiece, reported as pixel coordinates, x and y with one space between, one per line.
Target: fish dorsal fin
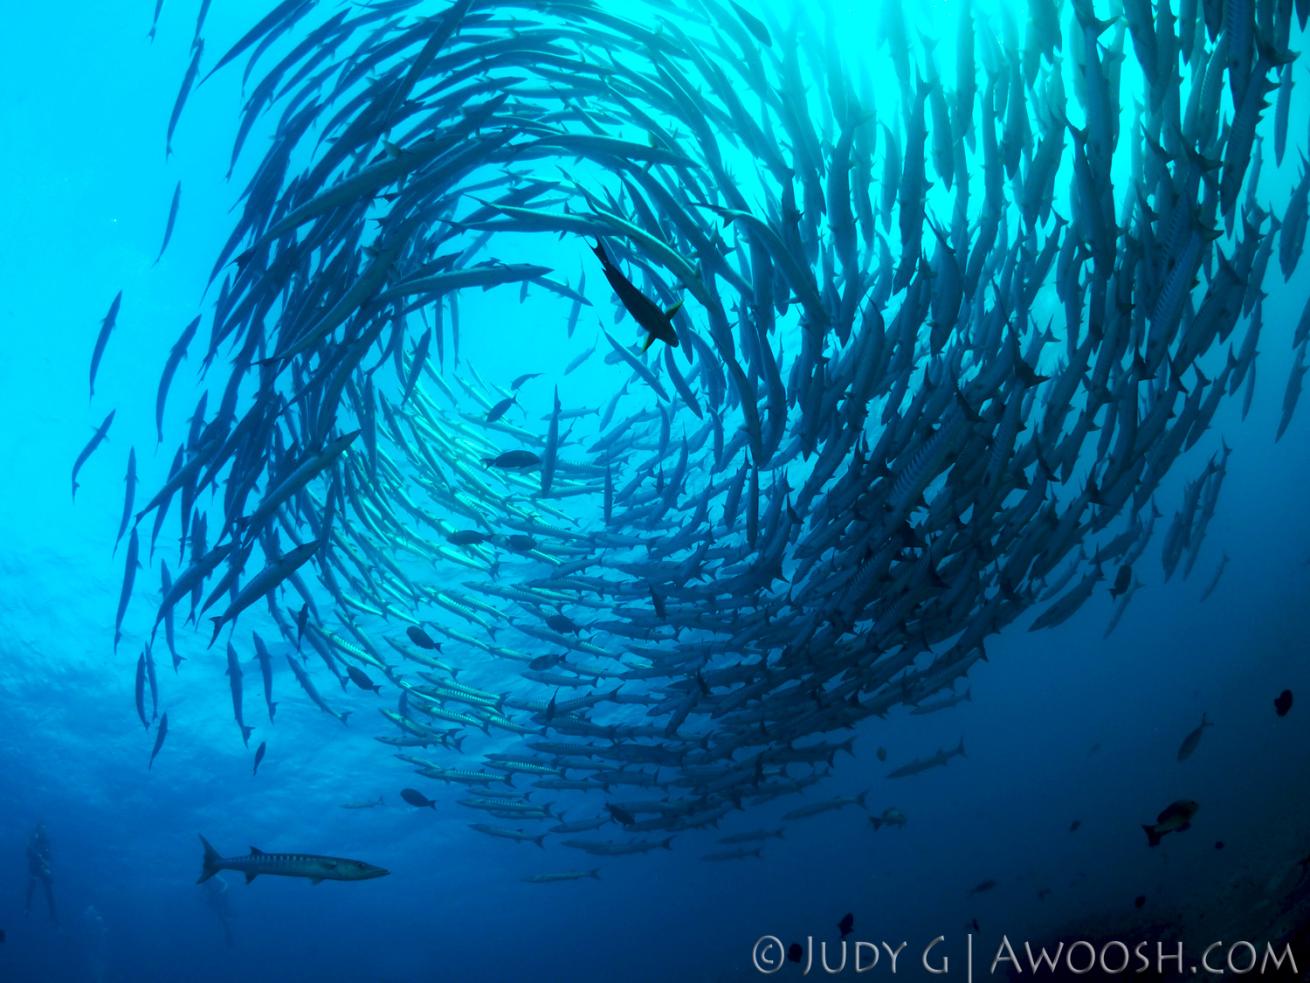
256 851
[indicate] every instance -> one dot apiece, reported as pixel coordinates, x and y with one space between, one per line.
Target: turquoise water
1062 724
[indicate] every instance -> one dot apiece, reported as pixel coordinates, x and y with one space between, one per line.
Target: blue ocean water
1062 725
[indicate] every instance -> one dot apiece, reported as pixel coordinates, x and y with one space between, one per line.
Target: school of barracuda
889 394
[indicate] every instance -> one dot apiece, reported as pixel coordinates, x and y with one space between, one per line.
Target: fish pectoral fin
316 880
673 310
250 876
650 340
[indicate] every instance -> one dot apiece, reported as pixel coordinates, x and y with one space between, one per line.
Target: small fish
562 623
889 817
130 481
501 408
982 887
421 638
1073 826
721 856
172 220
160 734
371 804
141 690
259 756
567 875
417 799
1218 844
754 25
1283 703
358 677
513 460
543 662
106 326
1175 818
524 378
882 754
621 816
1123 581
1190 742
188 82
846 925
658 323
131 565
96 440
1139 901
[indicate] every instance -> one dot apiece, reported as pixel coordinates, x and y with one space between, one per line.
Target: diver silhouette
38 869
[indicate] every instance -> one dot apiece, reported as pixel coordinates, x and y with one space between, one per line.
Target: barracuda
308 865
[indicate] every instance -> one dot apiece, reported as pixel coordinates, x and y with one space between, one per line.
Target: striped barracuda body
309 865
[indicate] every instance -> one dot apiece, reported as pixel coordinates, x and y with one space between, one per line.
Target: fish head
358 870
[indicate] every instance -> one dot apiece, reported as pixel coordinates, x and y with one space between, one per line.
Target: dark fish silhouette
1175 818
1283 703
102 340
1186 749
96 440
417 799
657 322
421 638
161 732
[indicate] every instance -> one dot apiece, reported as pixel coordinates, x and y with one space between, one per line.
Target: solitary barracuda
309 865
567 875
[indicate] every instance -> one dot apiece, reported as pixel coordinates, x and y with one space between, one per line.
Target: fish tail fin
272 709
209 863
218 626
345 716
245 734
1152 836
876 822
668 843
540 840
594 872
960 750
861 797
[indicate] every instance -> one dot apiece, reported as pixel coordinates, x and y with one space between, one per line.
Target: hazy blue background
87 190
